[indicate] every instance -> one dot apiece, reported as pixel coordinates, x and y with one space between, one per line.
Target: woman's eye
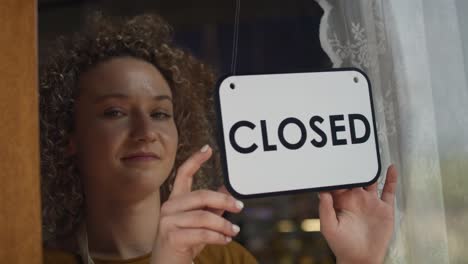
113 113
160 115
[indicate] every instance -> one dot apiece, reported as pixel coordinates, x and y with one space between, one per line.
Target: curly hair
146 37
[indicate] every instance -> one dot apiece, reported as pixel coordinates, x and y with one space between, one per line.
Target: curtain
414 53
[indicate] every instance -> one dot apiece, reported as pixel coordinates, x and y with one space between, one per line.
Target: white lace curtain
415 54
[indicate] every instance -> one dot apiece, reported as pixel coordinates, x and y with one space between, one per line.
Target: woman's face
125 137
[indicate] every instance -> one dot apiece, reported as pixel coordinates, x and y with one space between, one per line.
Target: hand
357 224
190 220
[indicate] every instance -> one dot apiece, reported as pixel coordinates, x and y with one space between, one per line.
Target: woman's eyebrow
104 97
163 97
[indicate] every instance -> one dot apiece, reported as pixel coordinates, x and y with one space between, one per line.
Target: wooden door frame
20 217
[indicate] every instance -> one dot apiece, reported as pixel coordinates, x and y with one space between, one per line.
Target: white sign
289 132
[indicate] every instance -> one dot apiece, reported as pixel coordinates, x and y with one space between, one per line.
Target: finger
388 193
372 188
203 219
202 199
328 220
220 212
340 195
195 236
184 177
338 192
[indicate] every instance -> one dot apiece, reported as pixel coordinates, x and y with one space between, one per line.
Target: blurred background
274 36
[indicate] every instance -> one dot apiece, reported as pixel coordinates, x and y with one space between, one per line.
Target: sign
300 131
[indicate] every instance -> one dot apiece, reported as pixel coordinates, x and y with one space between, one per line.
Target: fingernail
235 228
205 148
239 204
228 239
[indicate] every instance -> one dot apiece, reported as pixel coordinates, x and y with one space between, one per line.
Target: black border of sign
220 138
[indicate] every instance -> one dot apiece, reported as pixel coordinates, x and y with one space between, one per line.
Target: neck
122 230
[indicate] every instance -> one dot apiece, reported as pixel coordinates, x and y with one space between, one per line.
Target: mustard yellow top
232 253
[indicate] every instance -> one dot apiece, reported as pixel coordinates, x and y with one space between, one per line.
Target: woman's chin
138 180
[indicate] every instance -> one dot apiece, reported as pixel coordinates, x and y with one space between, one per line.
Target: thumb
222 189
328 220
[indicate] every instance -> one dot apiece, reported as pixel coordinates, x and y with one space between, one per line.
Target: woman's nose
143 129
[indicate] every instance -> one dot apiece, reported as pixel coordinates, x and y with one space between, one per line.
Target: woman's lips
141 157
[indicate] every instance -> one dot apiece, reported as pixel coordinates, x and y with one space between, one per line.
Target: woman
125 130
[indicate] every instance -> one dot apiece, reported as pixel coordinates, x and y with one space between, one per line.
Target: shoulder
56 256
231 253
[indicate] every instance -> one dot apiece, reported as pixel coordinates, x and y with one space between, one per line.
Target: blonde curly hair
146 37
